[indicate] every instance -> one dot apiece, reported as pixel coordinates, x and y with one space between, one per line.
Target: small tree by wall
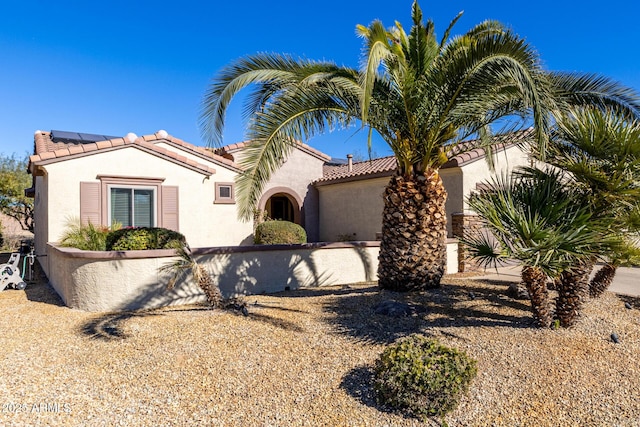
14 180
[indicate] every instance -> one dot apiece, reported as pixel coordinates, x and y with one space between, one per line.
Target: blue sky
140 66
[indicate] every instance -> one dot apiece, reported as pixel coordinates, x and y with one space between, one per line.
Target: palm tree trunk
572 289
536 282
602 280
210 289
414 227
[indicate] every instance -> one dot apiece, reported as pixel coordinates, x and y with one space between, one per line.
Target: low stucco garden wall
131 280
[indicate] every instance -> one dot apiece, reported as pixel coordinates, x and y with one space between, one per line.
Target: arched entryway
279 206
282 203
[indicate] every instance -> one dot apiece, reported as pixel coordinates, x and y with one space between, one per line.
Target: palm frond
424 97
538 219
293 116
377 50
181 267
447 32
484 249
581 89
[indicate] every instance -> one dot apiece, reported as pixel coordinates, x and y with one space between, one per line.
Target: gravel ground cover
304 358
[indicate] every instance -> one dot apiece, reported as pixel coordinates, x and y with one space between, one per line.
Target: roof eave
354 178
206 171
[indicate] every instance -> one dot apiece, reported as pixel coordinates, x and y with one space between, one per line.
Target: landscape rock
517 291
398 309
615 338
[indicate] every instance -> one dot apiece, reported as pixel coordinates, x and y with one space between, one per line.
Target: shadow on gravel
110 326
358 383
330 290
274 321
257 305
42 292
451 306
630 301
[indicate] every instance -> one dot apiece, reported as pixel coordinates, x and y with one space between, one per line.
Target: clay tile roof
103 144
368 168
502 142
232 148
61 152
89 147
116 142
202 152
48 155
385 166
49 149
75 149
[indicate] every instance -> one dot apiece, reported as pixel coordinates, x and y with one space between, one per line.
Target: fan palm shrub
537 218
423 95
600 148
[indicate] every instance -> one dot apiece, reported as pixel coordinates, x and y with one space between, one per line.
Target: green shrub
85 237
422 377
279 232
143 238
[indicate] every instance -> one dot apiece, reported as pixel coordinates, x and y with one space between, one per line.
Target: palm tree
186 264
538 218
422 95
601 150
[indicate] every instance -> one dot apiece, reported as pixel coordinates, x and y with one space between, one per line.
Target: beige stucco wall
99 281
351 208
203 222
356 207
296 174
478 171
108 281
40 217
116 281
452 179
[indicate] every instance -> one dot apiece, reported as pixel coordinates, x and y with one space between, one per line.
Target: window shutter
169 207
90 203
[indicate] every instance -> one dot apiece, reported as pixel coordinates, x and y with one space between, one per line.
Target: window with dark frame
132 207
132 201
224 193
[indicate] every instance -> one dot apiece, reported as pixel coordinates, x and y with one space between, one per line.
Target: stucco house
350 195
160 180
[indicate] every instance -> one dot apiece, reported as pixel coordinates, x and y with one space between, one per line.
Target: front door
280 207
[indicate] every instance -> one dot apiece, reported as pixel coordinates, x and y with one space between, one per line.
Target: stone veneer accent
463 225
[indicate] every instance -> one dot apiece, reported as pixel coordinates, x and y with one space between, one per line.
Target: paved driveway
626 281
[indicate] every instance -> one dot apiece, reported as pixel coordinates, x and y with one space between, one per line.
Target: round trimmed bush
142 238
422 377
279 233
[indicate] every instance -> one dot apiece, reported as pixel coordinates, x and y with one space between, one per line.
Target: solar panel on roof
77 137
94 138
64 136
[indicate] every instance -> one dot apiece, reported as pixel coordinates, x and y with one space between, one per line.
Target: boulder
517 291
398 309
